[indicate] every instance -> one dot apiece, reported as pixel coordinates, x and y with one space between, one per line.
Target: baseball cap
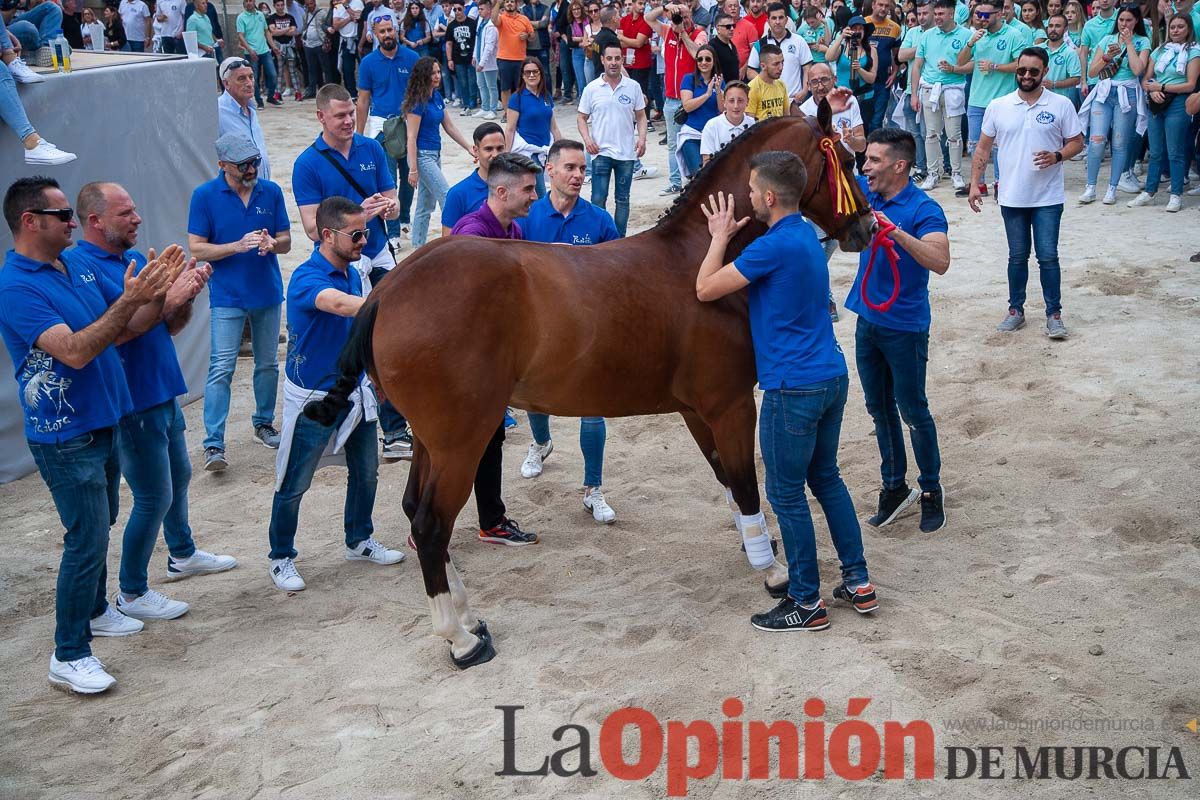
234 148
855 20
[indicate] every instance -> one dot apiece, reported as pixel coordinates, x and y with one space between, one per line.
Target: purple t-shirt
484 223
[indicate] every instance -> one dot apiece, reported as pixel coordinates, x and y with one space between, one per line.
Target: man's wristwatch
1057 156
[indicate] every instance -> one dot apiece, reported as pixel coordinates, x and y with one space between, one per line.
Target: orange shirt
510 26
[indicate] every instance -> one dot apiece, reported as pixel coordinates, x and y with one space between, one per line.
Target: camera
855 37
677 18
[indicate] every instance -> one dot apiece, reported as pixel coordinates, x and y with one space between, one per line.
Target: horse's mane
684 200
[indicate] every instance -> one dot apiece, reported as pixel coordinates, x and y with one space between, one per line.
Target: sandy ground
1070 475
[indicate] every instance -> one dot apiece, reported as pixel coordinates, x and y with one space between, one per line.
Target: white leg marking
458 593
447 626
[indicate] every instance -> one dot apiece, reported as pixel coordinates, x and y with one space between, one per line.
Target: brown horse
466 326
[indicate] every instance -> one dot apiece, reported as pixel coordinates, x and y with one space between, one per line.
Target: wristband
1057 156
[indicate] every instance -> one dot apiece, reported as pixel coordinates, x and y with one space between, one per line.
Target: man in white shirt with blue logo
1036 131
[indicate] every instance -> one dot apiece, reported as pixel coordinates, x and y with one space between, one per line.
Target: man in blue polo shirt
802 373
892 347
563 217
324 294
150 442
59 331
342 163
239 224
382 81
472 191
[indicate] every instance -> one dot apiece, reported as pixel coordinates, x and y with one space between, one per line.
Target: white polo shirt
1020 130
173 11
719 131
796 54
843 121
612 115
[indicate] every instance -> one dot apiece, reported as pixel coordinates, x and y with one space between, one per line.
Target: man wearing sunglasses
323 296
1035 131
239 224
59 327
722 44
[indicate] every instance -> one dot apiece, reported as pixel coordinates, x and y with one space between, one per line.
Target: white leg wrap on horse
757 540
737 512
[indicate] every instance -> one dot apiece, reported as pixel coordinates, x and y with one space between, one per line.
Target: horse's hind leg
708 447
733 435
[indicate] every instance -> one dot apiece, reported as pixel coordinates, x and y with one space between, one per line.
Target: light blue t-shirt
1124 73
938 45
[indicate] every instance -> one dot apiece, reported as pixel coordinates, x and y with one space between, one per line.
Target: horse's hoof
778 592
774 546
481 653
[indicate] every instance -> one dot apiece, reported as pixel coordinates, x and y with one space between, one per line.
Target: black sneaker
274 102
933 511
214 459
398 446
863 598
508 533
791 616
892 502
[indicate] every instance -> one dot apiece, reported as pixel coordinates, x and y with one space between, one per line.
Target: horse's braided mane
683 201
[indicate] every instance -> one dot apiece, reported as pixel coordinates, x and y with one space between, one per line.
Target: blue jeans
1044 222
348 65
691 156
83 478
974 130
881 107
914 123
578 59
264 76
431 193
132 46
1170 141
226 339
602 168
155 463
36 27
798 433
404 192
362 461
489 93
670 106
1104 116
592 434
468 89
12 112
891 368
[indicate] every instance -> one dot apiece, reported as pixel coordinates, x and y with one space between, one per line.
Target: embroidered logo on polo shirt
1045 118
624 99
577 239
367 167
1001 45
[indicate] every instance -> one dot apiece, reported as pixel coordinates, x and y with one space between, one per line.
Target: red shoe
299 97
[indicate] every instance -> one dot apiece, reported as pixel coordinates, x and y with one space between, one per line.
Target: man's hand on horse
722 223
839 99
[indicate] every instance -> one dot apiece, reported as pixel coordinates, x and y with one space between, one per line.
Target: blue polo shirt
917 214
586 224
535 113
429 135
315 337
386 79
314 179
244 280
57 402
151 365
794 345
464 197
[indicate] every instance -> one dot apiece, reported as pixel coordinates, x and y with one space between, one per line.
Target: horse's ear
825 117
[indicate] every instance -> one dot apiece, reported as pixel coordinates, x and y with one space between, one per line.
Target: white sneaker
1174 204
373 551
283 572
645 172
1143 199
956 179
397 242
151 605
531 467
83 675
1089 194
1193 192
1129 184
930 183
490 115
22 73
593 501
1110 196
46 154
113 623
200 563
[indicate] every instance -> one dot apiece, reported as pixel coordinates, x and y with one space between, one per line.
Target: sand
1069 470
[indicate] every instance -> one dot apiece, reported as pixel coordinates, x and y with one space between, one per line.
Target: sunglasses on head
62 214
383 18
1031 72
358 237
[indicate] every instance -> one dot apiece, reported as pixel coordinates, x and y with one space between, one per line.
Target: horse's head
833 198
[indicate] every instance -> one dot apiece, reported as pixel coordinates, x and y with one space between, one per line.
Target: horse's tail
356 356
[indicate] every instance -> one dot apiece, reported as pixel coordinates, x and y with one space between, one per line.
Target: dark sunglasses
63 214
534 72
358 237
238 65
250 163
383 17
704 60
1031 72
1130 7
984 14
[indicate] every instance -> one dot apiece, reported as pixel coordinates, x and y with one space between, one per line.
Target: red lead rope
882 241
